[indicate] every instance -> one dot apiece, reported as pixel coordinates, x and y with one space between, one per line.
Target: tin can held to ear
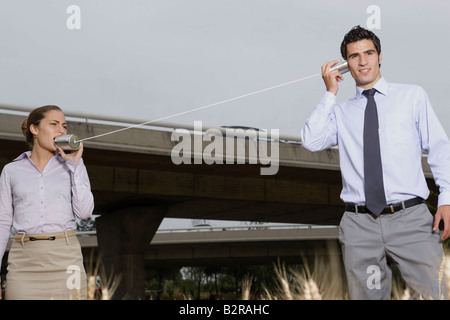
342 67
68 142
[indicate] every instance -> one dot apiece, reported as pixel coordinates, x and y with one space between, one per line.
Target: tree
86 224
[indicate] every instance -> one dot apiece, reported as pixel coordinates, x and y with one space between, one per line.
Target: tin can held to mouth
68 142
342 67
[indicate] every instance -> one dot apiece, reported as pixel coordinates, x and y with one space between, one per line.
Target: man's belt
391 208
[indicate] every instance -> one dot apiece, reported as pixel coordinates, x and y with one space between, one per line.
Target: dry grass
325 281
246 287
106 286
447 273
321 280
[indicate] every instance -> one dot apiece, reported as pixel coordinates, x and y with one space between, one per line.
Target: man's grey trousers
406 237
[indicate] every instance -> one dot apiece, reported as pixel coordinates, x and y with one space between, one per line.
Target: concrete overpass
234 245
136 184
263 245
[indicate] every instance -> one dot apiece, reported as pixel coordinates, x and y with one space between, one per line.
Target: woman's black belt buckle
48 238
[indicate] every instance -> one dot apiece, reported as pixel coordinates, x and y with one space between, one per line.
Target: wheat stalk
246 286
108 286
447 273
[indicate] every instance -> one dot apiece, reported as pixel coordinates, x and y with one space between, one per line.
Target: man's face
363 62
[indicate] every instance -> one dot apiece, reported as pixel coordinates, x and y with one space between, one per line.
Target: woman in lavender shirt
42 193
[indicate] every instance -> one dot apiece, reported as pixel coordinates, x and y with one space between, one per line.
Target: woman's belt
24 237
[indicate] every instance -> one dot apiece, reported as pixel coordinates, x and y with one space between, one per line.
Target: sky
148 59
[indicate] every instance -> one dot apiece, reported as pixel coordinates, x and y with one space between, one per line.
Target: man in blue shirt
404 232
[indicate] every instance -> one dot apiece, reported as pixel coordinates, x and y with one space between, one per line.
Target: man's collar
381 86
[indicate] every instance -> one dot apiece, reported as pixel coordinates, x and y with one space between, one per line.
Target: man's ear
380 57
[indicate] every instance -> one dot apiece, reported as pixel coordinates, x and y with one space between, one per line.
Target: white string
200 108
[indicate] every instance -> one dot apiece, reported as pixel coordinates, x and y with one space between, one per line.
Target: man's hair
358 33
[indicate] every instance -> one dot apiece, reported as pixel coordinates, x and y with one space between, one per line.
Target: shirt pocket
399 132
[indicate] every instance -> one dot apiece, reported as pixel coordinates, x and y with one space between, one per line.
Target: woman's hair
35 118
358 33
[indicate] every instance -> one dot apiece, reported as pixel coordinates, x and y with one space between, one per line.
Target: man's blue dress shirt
408 127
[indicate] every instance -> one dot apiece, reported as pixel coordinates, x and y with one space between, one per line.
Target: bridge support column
123 237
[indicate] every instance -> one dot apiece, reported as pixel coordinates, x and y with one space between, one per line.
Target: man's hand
443 213
332 78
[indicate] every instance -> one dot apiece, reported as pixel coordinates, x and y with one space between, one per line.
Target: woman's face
51 126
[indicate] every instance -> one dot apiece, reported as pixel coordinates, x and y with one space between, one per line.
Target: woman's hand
75 155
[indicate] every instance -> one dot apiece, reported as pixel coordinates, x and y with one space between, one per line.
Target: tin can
342 67
68 142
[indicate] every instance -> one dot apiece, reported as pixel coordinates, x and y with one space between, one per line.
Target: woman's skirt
46 269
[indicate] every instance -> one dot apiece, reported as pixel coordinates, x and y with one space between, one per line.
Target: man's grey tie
373 172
